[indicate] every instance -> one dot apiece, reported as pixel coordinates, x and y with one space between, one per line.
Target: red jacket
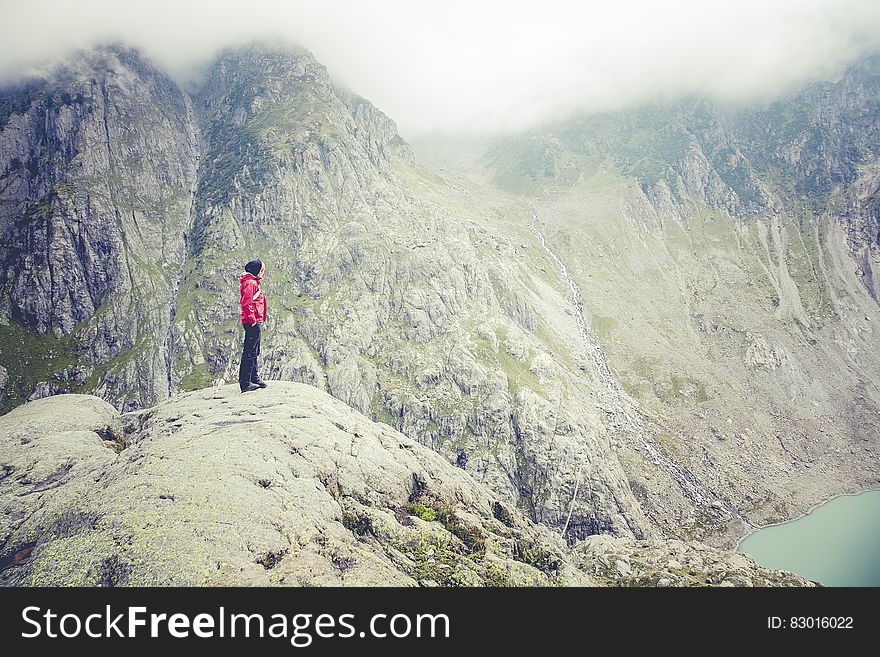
253 301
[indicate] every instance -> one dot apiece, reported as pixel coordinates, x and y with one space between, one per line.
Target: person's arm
248 310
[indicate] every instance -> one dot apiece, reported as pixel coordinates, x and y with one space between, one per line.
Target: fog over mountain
489 66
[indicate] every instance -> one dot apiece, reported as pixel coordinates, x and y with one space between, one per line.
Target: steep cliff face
822 146
97 159
385 289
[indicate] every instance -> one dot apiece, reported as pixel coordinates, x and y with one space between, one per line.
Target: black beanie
254 267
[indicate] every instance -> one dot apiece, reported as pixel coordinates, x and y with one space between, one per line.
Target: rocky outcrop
284 486
621 562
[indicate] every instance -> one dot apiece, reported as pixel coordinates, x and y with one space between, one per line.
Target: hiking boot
251 387
260 383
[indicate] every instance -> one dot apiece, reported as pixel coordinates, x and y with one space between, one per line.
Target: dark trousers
247 372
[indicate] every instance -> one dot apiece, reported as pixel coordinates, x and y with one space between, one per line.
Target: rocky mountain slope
638 324
286 486
401 306
723 258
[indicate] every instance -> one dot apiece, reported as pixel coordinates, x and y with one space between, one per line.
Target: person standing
253 314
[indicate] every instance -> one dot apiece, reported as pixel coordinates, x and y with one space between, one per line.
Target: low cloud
484 67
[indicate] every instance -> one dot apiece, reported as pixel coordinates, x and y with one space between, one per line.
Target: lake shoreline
755 528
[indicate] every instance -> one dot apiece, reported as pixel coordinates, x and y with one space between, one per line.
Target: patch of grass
667 443
433 510
383 415
496 575
682 388
426 513
197 378
30 357
437 560
518 374
603 327
803 263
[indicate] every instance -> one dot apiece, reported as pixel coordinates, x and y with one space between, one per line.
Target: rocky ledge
282 486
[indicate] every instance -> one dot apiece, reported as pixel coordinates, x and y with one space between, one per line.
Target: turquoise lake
838 544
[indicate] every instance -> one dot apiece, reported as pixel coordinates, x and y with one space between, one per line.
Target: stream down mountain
617 407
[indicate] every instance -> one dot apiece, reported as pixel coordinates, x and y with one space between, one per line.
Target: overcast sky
484 66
